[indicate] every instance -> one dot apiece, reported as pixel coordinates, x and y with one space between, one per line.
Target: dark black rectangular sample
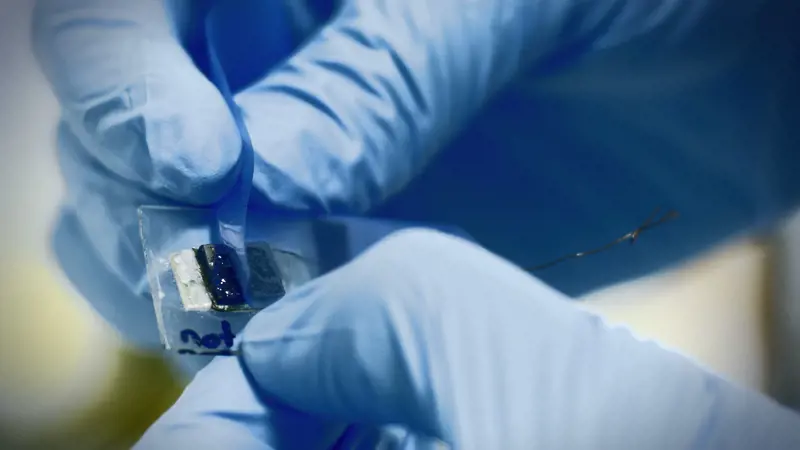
218 268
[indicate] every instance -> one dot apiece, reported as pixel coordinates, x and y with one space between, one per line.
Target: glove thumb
439 336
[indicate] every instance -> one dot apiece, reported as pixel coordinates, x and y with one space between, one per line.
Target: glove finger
220 409
133 97
435 334
133 316
361 344
358 112
139 127
105 207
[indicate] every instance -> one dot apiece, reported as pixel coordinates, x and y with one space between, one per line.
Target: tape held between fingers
232 209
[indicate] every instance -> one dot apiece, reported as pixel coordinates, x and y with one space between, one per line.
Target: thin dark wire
632 236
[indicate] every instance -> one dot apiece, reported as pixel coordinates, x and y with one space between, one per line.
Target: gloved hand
658 106
435 335
141 124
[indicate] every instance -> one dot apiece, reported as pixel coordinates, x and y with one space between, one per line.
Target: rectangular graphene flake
218 268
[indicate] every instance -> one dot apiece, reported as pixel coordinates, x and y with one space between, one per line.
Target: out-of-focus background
66 378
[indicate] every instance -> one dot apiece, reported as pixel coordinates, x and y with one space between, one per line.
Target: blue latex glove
142 124
435 335
543 127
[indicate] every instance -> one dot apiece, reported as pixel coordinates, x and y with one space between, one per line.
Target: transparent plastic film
200 303
199 307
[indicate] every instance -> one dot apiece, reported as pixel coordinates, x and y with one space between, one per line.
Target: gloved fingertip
171 133
193 142
344 345
134 98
